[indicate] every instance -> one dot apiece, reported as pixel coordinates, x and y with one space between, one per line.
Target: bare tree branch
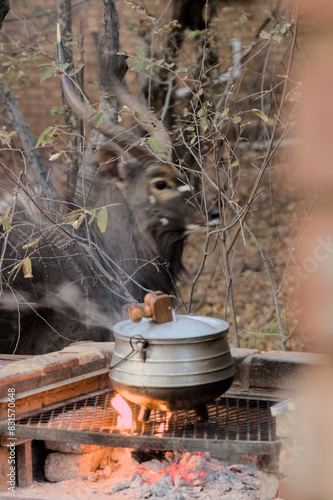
270 150
27 141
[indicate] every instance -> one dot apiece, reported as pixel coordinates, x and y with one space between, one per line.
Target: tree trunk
75 125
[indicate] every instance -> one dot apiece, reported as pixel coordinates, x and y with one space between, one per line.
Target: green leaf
91 109
284 28
70 43
32 243
102 219
63 65
16 268
46 136
65 158
260 114
27 268
92 213
48 73
200 112
155 145
234 164
225 113
98 119
137 65
8 135
237 119
277 38
80 65
147 65
76 217
7 225
5 220
204 123
8 63
265 35
140 53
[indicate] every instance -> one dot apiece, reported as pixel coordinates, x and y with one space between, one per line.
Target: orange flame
164 426
125 418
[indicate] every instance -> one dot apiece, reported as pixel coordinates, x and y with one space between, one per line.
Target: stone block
241 358
46 369
286 424
106 348
269 485
64 447
64 466
280 370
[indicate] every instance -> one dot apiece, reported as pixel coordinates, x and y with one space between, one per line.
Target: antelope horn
122 137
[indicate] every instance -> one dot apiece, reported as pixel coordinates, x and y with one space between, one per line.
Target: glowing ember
174 470
125 419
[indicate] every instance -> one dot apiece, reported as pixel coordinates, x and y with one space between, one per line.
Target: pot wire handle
174 298
133 351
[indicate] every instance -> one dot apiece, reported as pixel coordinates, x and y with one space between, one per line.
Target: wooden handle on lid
157 305
139 311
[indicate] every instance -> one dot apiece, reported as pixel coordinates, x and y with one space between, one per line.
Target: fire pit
235 425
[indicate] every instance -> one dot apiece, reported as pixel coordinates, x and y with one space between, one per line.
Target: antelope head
157 192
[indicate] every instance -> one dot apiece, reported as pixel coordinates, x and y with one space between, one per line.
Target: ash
135 475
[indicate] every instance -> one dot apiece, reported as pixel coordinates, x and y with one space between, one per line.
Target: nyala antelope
81 277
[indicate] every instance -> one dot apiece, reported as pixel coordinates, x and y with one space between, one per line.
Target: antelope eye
160 185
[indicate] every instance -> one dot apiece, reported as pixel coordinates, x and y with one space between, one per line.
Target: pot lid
183 327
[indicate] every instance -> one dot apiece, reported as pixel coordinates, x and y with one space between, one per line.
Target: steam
67 299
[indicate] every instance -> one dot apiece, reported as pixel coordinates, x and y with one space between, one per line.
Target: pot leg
144 414
202 413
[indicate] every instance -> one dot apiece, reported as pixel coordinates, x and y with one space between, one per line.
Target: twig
274 292
7 232
167 98
80 248
193 283
271 150
296 326
226 270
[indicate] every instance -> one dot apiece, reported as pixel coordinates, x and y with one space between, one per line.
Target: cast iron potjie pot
181 364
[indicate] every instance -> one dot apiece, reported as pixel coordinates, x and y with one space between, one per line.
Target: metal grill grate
238 425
